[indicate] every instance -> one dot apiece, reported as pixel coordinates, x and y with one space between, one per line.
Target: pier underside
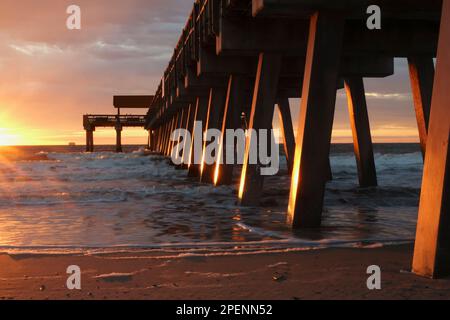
236 60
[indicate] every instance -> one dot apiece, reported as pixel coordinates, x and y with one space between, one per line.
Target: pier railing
104 120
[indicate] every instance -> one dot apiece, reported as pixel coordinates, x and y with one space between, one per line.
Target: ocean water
60 198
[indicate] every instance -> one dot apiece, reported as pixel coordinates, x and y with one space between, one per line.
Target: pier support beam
162 130
421 73
237 96
287 131
119 138
188 126
169 127
261 117
432 245
362 139
158 139
316 120
180 125
216 107
201 111
159 131
173 125
90 140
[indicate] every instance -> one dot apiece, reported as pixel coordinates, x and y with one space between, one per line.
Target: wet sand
319 274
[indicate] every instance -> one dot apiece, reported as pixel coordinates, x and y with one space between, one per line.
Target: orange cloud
51 76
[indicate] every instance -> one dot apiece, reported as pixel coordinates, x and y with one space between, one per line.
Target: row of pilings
246 57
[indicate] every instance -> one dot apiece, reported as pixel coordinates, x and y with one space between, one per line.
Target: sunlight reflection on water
106 199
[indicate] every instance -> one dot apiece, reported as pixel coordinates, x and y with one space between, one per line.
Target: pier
250 56
117 121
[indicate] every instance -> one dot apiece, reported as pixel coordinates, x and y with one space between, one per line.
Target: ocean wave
128 199
47 200
181 250
64 202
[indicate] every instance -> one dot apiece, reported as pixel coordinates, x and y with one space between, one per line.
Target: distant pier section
117 121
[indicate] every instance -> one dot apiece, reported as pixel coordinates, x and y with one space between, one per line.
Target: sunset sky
50 76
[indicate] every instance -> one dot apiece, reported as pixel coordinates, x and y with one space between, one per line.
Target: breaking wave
101 202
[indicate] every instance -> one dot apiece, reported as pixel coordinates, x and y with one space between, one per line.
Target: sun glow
8 139
9 129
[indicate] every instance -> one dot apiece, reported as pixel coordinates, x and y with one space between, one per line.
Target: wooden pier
117 121
239 57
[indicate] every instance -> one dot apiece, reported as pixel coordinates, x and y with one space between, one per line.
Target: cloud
383 96
50 75
114 51
33 49
388 96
